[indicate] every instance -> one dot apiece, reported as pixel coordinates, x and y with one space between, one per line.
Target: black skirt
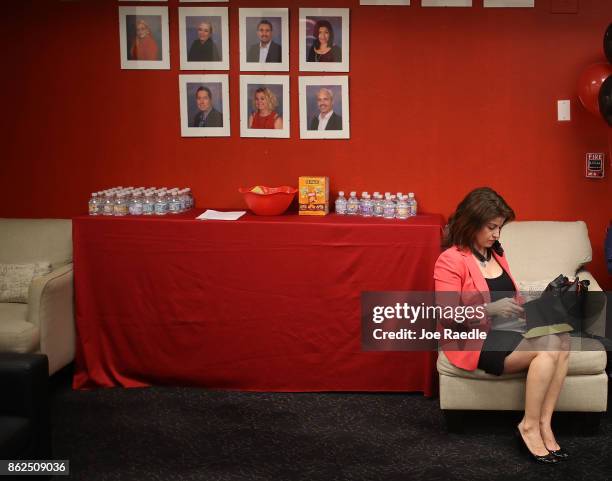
496 347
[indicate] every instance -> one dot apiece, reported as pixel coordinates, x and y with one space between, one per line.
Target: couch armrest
51 308
598 326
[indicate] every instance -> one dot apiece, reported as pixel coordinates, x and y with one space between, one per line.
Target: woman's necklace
482 259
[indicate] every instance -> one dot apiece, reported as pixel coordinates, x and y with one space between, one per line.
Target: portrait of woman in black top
324 48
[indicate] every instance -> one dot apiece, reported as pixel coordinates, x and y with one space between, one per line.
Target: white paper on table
217 215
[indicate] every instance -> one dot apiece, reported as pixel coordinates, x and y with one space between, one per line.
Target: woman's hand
506 307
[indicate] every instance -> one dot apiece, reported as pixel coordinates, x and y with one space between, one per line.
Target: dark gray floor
168 434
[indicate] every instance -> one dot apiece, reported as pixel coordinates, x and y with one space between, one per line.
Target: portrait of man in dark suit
327 119
266 50
207 115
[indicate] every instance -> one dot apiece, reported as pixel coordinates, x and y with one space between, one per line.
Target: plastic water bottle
190 198
412 205
378 205
174 205
161 203
341 204
95 205
120 207
148 204
388 207
352 205
364 195
108 205
367 206
135 205
401 209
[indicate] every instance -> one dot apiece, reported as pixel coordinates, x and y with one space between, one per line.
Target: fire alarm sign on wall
595 165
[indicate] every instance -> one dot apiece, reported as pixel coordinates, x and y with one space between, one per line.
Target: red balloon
589 84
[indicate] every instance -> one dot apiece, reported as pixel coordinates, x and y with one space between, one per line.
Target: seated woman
323 48
265 116
474 265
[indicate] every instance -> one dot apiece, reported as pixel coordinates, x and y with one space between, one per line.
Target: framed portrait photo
204 38
384 2
324 39
143 38
264 39
204 105
264 106
324 107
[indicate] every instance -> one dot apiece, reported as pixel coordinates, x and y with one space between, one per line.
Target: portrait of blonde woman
264 107
203 48
144 45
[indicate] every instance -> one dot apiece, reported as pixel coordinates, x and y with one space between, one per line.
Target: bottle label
136 208
403 212
121 209
93 209
174 206
161 208
147 208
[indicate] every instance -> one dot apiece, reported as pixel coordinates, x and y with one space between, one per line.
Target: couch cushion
591 359
539 250
35 240
16 334
15 279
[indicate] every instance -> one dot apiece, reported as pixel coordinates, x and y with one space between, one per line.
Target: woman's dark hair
317 27
479 207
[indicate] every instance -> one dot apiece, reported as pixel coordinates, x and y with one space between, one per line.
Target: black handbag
560 308
568 298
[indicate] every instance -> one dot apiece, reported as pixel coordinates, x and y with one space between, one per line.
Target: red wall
442 100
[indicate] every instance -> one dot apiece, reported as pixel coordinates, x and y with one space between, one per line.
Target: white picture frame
332 20
276 89
311 90
253 21
508 4
151 50
385 2
213 54
190 88
446 3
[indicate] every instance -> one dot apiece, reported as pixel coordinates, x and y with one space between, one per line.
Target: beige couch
537 252
45 321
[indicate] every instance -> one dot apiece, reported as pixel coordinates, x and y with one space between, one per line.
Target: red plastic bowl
273 201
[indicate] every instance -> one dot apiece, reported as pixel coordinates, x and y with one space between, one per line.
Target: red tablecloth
262 303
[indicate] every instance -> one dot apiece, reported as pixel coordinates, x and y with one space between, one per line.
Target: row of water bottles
121 201
390 206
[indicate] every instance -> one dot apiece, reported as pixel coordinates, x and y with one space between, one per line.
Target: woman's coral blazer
456 272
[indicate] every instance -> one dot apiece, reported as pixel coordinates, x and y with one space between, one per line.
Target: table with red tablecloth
261 303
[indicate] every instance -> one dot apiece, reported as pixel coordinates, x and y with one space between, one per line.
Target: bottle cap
410 194
341 192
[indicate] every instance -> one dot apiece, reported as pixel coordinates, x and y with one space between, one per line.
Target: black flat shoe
560 453
546 459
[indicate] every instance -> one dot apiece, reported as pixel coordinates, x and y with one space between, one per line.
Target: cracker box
313 195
